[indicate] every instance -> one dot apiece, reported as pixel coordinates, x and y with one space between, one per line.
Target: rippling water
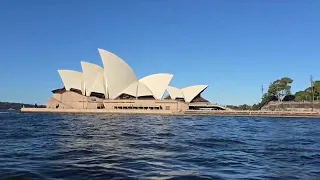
46 146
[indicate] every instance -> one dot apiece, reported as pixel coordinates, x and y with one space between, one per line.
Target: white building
115 82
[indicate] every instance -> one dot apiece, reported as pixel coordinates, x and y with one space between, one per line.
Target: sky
233 46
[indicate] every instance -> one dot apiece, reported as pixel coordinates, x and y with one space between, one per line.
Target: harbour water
57 146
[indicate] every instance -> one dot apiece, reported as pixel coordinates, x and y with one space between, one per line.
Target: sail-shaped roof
118 75
72 80
191 92
157 83
174 92
93 78
137 89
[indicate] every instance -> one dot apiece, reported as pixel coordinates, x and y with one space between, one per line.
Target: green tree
255 107
308 92
280 88
316 88
244 107
289 98
266 99
302 95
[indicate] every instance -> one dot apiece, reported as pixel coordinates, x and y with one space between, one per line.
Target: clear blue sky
233 46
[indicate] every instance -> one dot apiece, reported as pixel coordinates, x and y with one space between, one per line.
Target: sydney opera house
115 87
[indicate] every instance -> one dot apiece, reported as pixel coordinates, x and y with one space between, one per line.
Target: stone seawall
292 106
255 113
168 112
95 111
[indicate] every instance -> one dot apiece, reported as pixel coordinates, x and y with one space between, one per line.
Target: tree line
9 105
280 90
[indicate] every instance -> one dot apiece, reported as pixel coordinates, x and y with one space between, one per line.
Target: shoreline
289 114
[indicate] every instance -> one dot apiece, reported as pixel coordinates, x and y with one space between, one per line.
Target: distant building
116 87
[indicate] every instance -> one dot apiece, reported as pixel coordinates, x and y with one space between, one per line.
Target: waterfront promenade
187 112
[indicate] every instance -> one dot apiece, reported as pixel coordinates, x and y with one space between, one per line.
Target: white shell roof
157 83
188 93
118 74
93 78
72 79
191 92
98 85
137 89
175 92
117 78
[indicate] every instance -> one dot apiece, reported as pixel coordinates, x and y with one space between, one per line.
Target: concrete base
169 112
96 111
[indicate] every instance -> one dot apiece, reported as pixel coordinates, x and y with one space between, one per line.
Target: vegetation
280 90
8 105
308 93
244 107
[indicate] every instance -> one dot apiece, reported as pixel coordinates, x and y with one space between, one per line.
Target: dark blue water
46 146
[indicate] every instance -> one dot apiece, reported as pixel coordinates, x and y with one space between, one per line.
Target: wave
156 147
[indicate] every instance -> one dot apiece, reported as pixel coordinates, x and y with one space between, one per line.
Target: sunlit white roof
157 83
137 89
174 92
191 92
93 78
118 75
72 80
